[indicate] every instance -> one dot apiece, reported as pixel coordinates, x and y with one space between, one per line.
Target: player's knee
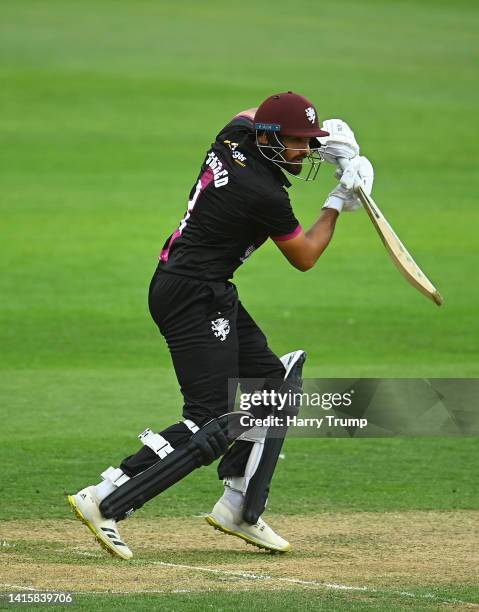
208 441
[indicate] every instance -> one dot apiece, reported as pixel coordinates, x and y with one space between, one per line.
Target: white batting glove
358 173
340 142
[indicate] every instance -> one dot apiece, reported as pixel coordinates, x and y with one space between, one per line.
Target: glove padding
340 142
358 173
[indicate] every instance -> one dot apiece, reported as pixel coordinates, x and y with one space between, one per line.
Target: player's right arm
304 250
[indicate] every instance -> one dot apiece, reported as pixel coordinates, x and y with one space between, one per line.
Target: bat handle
343 163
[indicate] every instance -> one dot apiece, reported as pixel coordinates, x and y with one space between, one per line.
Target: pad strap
156 442
192 426
116 476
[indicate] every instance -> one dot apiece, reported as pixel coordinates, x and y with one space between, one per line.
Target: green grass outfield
106 109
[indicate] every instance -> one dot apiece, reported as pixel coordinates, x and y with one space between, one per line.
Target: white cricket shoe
86 506
228 519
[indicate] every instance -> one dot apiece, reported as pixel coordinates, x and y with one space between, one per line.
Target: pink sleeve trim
289 236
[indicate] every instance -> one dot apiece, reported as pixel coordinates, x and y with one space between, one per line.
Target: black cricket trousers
211 338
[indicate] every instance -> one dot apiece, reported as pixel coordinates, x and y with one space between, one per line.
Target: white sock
234 498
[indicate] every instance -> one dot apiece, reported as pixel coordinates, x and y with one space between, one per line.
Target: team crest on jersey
310 114
238 157
221 328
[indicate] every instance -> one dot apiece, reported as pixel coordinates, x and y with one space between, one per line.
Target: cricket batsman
238 201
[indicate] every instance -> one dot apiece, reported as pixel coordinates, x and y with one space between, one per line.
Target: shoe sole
214 523
76 510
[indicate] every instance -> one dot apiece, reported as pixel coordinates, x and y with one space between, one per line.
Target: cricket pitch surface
360 552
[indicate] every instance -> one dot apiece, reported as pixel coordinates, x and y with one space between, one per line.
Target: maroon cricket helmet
289 114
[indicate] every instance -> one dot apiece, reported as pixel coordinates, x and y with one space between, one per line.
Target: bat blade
398 252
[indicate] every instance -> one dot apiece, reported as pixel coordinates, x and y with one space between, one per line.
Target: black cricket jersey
237 202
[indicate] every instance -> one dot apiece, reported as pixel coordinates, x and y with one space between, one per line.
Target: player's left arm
250 113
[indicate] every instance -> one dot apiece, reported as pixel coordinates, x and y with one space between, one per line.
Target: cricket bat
396 249
398 252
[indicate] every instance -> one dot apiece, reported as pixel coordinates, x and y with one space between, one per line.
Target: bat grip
343 163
